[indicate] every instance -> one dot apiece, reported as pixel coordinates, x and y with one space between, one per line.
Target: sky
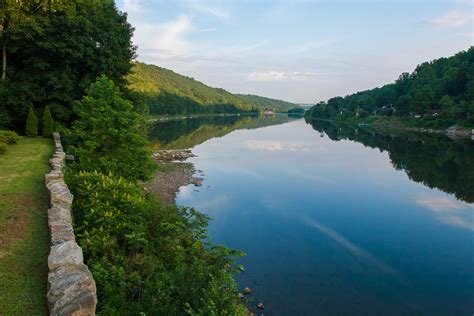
298 51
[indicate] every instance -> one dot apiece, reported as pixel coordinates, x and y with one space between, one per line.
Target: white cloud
465 2
440 204
210 29
217 12
277 145
165 39
270 76
310 46
457 221
350 246
450 210
215 203
251 47
132 6
453 18
266 76
264 145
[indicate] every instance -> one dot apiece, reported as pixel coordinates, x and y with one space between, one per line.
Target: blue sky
299 51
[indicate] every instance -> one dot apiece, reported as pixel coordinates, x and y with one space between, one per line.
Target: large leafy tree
56 49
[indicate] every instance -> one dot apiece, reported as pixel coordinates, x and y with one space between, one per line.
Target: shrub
9 137
3 147
109 135
31 128
47 123
147 258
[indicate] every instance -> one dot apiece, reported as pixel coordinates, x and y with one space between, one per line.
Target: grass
24 236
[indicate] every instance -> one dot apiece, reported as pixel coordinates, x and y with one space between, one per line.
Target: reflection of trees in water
436 161
187 133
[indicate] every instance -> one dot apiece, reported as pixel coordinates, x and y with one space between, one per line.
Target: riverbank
164 118
395 123
169 178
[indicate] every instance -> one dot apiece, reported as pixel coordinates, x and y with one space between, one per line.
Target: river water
336 220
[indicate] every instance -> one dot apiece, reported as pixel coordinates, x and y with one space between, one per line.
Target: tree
18 16
31 128
423 99
446 103
108 135
57 49
47 122
403 105
402 84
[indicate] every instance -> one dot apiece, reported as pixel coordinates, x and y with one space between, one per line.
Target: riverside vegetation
436 94
70 60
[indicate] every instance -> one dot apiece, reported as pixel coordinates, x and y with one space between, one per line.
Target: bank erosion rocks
71 287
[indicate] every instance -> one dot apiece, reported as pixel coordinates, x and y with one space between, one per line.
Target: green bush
109 135
3 147
147 258
9 137
31 128
47 123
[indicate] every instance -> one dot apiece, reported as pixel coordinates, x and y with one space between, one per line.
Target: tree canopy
54 50
442 88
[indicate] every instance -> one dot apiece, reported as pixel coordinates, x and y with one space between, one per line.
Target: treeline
438 93
147 259
268 103
167 92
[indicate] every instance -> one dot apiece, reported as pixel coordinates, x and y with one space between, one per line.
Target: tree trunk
4 61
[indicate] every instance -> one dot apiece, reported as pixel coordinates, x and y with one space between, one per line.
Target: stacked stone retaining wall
71 287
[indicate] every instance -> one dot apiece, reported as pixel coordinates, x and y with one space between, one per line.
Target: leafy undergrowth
24 238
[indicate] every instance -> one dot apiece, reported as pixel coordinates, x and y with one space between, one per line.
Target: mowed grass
24 236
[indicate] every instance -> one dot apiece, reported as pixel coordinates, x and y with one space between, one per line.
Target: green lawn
24 236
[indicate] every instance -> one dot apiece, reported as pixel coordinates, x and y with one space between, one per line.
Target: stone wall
71 287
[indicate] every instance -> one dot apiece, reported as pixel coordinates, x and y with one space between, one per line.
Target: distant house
435 112
268 111
385 110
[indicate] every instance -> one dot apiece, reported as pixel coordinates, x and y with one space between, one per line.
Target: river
336 220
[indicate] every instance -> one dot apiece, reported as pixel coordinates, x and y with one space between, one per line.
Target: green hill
438 93
167 92
263 102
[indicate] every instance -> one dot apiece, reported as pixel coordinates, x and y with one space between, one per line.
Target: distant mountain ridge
167 92
264 102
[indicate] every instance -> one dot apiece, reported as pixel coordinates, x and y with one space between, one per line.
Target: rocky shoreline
173 173
169 155
169 178
454 131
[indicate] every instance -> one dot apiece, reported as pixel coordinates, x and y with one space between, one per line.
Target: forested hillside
436 93
167 92
263 102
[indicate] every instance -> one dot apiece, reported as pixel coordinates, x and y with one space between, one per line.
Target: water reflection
437 161
187 133
330 227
